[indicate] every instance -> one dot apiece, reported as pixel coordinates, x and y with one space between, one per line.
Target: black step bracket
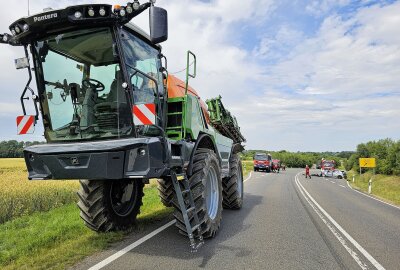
176 178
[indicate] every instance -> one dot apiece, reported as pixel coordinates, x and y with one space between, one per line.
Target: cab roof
36 26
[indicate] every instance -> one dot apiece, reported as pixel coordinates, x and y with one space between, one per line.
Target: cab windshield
261 157
82 94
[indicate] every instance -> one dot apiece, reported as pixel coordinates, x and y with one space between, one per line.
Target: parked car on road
335 174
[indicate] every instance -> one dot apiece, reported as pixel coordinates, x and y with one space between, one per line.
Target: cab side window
140 55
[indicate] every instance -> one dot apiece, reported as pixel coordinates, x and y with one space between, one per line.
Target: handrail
187 69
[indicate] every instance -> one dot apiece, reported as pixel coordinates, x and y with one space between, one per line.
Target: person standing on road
308 171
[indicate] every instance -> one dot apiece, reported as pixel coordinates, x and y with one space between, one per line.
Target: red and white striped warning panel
144 114
25 124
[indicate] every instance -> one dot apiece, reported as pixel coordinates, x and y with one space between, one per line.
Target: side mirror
158 24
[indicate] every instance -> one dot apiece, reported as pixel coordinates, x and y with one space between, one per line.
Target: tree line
13 148
386 152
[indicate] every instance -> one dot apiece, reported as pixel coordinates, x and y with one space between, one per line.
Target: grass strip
58 238
247 166
385 187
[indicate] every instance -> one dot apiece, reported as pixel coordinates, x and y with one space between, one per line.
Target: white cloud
322 7
327 92
9 108
342 80
278 46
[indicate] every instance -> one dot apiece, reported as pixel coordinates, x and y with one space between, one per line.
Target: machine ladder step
186 195
196 227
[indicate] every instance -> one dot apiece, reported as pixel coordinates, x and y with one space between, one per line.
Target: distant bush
298 159
386 152
13 148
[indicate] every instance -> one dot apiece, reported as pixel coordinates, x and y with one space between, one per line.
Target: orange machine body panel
176 89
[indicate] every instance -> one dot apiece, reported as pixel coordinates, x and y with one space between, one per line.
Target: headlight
129 9
135 5
17 29
122 12
102 11
78 15
26 27
91 12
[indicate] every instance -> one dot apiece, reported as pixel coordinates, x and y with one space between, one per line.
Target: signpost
368 163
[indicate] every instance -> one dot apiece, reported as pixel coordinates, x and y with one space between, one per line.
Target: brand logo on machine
74 161
45 17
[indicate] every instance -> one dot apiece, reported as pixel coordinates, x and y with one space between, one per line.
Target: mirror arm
27 87
161 56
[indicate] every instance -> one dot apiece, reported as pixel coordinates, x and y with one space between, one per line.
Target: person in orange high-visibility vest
308 171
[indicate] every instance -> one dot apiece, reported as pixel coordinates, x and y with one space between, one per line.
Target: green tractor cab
110 120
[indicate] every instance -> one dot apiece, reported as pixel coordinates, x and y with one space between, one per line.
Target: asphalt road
284 224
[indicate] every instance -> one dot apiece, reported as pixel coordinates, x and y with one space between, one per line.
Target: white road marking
376 199
342 186
130 247
247 177
126 249
332 182
321 211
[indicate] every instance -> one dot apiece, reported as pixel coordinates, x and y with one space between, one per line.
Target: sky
298 75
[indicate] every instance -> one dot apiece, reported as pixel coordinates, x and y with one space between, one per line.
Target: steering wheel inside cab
93 84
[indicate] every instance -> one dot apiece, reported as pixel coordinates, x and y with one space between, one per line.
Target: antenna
28 8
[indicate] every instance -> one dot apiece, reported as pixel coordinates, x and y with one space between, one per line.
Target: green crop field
19 196
40 227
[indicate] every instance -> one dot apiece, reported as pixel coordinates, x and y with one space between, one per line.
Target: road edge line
372 197
345 234
332 228
248 177
128 248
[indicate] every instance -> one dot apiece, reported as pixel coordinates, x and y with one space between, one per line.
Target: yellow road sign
367 162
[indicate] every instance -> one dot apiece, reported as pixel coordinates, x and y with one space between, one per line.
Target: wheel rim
212 195
122 197
240 181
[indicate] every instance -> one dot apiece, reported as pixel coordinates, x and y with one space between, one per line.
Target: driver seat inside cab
112 104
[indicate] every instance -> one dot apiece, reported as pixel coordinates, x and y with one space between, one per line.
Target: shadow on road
171 244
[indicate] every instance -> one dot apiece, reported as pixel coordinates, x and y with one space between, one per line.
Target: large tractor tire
165 191
108 205
233 186
206 186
